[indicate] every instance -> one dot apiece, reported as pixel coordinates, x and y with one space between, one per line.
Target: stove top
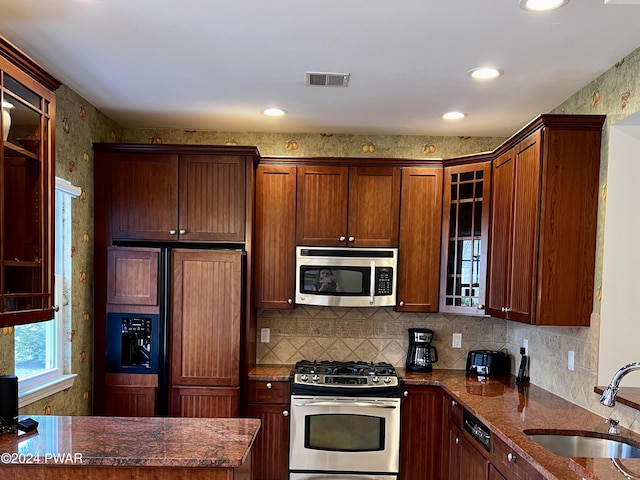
335 377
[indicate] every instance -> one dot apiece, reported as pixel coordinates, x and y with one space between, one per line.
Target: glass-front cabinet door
26 201
465 224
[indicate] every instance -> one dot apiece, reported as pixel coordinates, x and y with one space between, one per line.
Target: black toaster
488 362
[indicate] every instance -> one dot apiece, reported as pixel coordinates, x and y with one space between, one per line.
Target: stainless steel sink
586 444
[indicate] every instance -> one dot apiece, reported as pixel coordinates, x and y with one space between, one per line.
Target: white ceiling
215 64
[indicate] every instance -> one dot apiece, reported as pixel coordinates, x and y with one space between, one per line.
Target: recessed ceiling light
454 115
542 5
274 112
485 73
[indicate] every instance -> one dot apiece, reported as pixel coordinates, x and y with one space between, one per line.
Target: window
39 347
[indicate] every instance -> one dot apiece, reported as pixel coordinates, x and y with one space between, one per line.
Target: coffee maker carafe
421 354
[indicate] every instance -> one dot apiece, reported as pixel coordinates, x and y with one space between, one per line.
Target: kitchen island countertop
126 443
509 409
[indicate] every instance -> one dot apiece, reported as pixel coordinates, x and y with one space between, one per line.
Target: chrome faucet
608 398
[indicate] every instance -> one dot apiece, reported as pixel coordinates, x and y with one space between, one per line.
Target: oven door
330 434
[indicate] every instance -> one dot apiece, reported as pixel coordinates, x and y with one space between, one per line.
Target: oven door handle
329 403
372 287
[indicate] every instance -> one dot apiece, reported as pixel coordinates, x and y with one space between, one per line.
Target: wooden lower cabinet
421 433
205 402
510 464
473 463
495 474
269 401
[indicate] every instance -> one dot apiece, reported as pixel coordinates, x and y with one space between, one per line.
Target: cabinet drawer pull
285 413
269 386
511 457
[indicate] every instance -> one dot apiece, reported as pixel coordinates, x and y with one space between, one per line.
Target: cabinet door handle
182 231
405 393
172 232
269 386
457 440
401 303
342 238
351 239
290 301
56 308
285 413
453 403
511 457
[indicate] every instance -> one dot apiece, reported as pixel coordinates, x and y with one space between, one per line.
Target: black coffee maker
421 354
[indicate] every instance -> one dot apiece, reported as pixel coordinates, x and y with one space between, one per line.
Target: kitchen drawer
271 391
510 463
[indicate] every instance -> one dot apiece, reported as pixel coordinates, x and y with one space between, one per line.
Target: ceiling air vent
328 79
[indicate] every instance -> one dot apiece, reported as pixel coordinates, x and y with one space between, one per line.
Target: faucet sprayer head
608 398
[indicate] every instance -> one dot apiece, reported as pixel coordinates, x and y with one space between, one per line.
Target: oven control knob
375 379
387 380
304 377
315 378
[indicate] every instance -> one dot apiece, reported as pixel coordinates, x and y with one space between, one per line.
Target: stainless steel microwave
346 277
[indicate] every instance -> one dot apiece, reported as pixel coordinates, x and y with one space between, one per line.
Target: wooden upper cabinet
206 315
275 231
374 206
176 193
212 198
27 189
543 222
465 235
145 196
348 206
322 206
420 226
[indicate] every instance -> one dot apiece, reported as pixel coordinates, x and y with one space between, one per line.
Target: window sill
44 390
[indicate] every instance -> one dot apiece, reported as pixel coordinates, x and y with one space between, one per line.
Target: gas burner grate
351 368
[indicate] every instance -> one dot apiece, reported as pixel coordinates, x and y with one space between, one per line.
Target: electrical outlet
265 335
525 345
457 340
572 358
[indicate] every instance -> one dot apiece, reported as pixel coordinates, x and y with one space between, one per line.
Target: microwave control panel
384 281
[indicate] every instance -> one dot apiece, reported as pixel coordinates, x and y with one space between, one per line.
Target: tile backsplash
370 334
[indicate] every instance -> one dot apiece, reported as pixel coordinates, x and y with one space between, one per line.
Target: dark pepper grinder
523 371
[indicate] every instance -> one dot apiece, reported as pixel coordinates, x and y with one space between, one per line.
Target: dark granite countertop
509 409
133 442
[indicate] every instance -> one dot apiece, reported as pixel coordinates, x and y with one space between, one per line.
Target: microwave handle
372 283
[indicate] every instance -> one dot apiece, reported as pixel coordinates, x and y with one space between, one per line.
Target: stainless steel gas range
345 421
